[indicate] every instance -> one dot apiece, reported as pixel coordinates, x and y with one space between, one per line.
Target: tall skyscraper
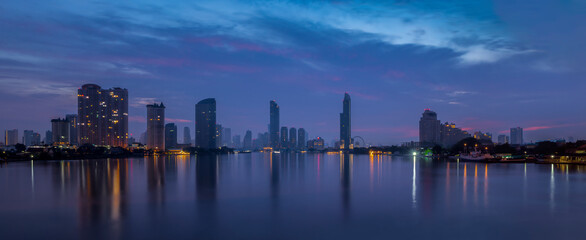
170 135
186 135
102 115
10 137
292 138
284 137
60 129
236 141
301 138
429 129
205 123
27 138
274 125
346 123
517 136
72 119
156 126
247 142
227 137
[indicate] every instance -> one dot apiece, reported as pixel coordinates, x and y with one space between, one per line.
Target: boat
475 157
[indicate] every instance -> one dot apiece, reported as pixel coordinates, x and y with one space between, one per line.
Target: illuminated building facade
205 123
170 135
429 129
102 116
517 136
301 138
11 137
60 129
346 124
156 126
450 135
274 125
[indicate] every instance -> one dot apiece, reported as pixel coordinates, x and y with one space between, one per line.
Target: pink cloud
177 120
136 119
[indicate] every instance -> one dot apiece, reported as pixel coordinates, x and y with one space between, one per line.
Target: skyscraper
186 135
517 136
27 138
205 123
301 138
219 131
72 119
293 138
102 115
236 141
170 135
60 129
274 125
284 137
48 137
156 126
502 139
346 123
247 142
429 129
227 137
10 137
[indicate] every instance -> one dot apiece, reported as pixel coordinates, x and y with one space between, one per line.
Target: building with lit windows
345 123
274 125
205 124
284 137
429 129
11 137
156 127
72 119
170 135
60 129
517 136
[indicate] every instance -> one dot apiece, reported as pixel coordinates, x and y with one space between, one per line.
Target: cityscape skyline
490 75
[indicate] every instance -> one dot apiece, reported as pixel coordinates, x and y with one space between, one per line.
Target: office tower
517 136
293 138
186 135
27 138
301 138
227 137
11 137
156 126
170 135
502 139
219 130
48 137
72 119
60 129
274 125
236 141
102 116
345 123
247 143
429 129
205 123
284 137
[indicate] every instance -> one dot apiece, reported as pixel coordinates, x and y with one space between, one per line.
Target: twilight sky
484 65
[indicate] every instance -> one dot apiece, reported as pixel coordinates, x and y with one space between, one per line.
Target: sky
483 65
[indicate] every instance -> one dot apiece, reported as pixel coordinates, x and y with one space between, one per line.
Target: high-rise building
186 135
11 137
227 137
301 138
27 138
429 129
205 123
274 125
156 127
292 138
36 139
102 115
449 135
236 141
502 139
219 131
170 135
517 136
284 137
247 142
345 123
72 119
60 129
48 137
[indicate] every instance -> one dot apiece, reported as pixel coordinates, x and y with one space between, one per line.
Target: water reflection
346 161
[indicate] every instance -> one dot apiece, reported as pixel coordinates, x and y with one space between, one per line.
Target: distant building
102 116
503 139
227 137
170 135
345 123
284 137
219 132
429 129
186 136
301 138
48 137
11 137
293 138
450 135
484 138
60 129
205 123
274 125
27 138
72 119
156 126
316 144
236 141
247 142
517 136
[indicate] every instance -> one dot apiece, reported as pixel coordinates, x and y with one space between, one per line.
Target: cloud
28 87
141 102
177 120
